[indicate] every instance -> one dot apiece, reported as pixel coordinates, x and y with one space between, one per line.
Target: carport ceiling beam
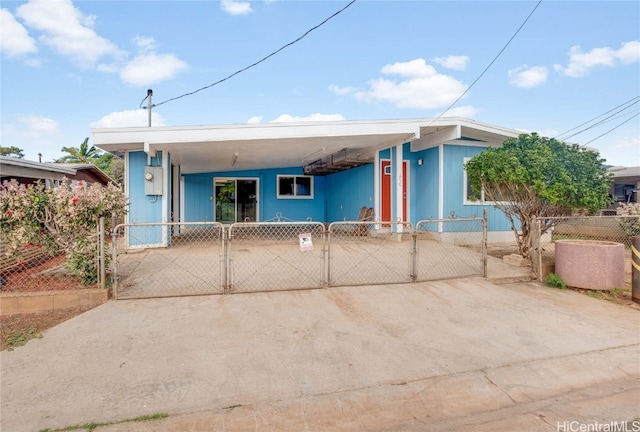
436 136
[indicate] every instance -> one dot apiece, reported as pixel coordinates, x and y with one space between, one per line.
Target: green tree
86 154
536 177
12 151
115 170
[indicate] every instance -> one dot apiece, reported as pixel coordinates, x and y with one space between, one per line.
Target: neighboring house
406 170
26 172
87 172
626 184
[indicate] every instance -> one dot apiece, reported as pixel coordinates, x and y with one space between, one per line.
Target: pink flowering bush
61 218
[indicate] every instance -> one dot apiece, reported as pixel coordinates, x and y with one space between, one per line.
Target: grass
90 427
553 280
19 338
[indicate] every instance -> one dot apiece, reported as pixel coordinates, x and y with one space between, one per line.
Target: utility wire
259 61
631 102
614 128
490 64
612 117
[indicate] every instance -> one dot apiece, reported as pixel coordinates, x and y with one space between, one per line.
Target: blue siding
198 205
454 156
198 198
424 185
143 208
348 191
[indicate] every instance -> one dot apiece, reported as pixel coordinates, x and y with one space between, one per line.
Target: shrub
60 218
553 280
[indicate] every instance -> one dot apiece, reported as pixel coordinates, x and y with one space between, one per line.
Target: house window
469 197
473 199
295 186
624 192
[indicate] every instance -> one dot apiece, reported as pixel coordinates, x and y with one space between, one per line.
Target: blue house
407 170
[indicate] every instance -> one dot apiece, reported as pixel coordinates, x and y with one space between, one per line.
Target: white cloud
34 126
466 111
129 118
528 77
342 90
233 7
580 64
151 68
287 118
420 86
255 120
144 43
629 52
14 38
453 62
621 151
34 134
67 31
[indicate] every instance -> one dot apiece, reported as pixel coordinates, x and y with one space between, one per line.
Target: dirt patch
617 296
20 328
40 274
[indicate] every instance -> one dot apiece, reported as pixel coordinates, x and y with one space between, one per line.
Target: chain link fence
186 259
546 231
450 248
32 267
363 253
272 256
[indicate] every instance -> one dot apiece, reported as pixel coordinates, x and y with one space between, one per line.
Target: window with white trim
469 197
295 186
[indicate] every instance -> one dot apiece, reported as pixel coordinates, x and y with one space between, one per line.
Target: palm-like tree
84 154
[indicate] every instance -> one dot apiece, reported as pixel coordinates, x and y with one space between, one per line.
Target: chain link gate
271 256
364 253
450 248
170 259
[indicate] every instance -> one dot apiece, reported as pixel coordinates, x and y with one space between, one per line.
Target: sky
572 71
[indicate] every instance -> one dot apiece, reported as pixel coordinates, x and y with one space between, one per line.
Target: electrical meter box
153 180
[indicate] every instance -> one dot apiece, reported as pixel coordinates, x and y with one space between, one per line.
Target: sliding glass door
236 200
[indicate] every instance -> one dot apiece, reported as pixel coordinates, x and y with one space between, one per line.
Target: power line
492 62
614 128
629 104
261 60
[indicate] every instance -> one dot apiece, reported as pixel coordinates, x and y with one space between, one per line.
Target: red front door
385 190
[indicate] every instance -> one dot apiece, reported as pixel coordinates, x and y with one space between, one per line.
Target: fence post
114 262
414 254
635 269
536 252
484 245
103 257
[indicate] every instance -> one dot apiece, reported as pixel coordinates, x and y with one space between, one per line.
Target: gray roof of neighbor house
624 172
15 167
276 145
96 172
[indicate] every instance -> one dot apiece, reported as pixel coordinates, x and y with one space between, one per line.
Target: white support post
399 181
377 204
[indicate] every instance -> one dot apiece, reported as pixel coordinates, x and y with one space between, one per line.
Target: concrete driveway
449 355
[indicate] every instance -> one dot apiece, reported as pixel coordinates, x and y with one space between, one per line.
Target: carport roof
277 145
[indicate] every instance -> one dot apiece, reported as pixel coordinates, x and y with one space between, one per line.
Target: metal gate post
226 261
484 244
414 255
114 262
